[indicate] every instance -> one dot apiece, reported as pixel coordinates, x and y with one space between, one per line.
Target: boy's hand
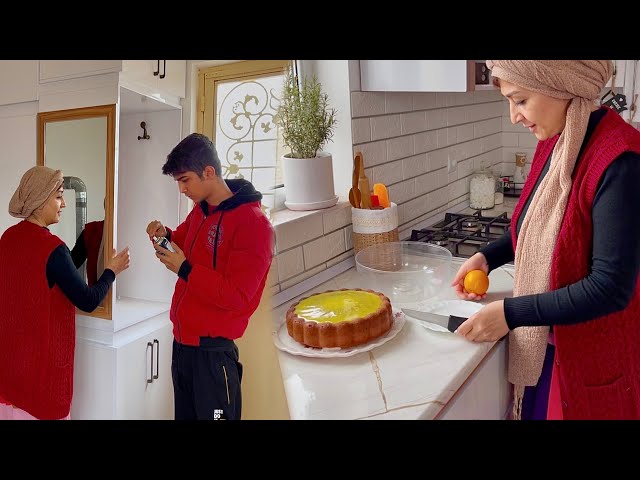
171 260
156 229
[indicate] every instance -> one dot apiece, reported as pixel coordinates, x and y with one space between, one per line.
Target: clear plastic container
482 189
406 272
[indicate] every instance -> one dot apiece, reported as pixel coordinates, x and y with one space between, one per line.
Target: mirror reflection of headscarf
36 186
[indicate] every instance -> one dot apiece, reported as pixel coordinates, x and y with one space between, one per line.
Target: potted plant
307 124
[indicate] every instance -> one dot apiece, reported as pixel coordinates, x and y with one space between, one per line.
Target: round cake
340 318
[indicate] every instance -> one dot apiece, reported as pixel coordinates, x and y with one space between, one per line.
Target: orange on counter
476 281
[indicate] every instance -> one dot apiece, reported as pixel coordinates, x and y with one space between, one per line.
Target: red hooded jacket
229 249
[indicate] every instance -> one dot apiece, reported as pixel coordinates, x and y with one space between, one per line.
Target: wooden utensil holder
374 226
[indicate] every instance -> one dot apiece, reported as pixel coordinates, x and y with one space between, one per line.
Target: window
238 103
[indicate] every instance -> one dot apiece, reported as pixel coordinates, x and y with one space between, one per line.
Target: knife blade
450 322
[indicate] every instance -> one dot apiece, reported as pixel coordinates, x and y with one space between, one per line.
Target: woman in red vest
574 320
39 287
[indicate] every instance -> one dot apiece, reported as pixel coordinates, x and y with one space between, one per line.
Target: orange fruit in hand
476 281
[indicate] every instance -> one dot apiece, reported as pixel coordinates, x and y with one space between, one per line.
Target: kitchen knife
450 322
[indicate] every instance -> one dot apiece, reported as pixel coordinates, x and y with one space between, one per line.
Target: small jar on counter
482 190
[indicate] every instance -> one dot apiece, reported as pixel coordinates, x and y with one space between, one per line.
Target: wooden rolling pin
363 186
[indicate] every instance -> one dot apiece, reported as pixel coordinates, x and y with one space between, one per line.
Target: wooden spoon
352 198
357 197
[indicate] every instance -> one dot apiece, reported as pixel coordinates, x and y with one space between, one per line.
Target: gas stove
464 234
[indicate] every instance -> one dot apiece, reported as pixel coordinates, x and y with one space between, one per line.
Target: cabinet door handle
164 64
150 379
155 74
155 377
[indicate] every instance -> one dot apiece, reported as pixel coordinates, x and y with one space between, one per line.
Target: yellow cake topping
336 307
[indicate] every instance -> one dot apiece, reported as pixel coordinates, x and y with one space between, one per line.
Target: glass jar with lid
482 190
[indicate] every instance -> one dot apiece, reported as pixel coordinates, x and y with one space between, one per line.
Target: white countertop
412 376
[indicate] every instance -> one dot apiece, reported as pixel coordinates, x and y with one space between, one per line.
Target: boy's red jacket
229 249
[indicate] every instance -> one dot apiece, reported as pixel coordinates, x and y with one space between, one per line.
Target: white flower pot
308 182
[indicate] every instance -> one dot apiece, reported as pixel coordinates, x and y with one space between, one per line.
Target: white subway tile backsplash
424 101
442 138
456 115
527 140
425 183
367 104
403 191
386 126
322 249
398 102
457 189
298 232
414 166
399 147
290 264
509 139
389 173
452 135
374 153
337 218
436 119
465 168
507 126
348 237
438 158
361 130
340 258
437 198
414 122
302 277
465 132
424 142
487 127
416 207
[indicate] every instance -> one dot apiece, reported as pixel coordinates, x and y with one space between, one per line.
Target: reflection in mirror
80 142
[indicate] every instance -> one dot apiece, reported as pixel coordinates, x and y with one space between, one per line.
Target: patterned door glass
246 135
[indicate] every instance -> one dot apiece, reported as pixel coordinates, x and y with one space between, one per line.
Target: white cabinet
419 76
486 395
55 70
18 81
128 378
144 388
155 77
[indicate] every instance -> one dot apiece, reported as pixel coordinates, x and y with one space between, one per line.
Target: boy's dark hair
192 154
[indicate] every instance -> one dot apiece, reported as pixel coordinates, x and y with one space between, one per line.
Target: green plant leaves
304 115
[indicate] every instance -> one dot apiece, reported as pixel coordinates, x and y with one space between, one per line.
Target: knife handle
455 322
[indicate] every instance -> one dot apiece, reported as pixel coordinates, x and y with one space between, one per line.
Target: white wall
17 152
333 75
145 193
79 149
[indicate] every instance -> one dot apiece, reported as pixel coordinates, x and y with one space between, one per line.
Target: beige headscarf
581 81
37 185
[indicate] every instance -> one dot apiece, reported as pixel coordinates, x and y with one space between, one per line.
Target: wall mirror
81 143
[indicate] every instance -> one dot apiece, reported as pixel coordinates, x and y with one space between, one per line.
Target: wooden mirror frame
109 111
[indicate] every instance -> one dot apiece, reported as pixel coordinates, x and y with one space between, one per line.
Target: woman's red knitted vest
37 326
598 361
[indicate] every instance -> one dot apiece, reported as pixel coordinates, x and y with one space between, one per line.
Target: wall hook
144 136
